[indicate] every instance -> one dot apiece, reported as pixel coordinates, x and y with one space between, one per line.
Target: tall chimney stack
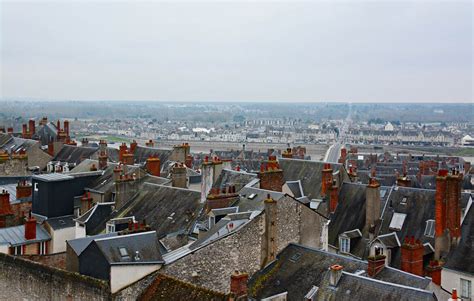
270 241
179 175
32 127
372 205
30 227
271 175
326 179
153 166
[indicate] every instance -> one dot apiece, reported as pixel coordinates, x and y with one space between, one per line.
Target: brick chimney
372 203
122 150
375 264
51 148
128 158
412 256
24 132
453 206
58 126
270 241
32 127
103 156
23 189
287 153
117 172
66 127
10 130
179 175
93 167
271 175
333 197
335 273
150 143
5 209
454 295
153 166
403 181
221 198
30 227
238 285
343 157
326 179
433 270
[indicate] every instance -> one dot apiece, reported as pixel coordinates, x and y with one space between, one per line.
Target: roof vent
137 256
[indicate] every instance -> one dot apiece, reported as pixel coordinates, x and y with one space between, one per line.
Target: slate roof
146 243
462 257
80 244
61 222
141 154
232 177
15 236
256 203
308 172
15 144
74 154
45 133
295 187
11 189
166 209
297 268
95 218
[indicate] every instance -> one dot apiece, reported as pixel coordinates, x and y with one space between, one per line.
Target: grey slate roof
95 218
15 144
462 257
61 222
295 187
257 201
297 268
80 244
15 236
74 154
146 243
232 177
166 209
11 189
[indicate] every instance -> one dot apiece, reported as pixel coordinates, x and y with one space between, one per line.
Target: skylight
397 221
123 252
430 228
252 196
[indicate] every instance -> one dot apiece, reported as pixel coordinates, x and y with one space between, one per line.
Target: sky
315 51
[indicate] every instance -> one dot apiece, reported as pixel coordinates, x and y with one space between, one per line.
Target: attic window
397 221
430 228
404 201
252 196
295 257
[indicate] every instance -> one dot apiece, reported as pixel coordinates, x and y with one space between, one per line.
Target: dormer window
344 244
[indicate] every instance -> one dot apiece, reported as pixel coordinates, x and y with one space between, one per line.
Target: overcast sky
359 51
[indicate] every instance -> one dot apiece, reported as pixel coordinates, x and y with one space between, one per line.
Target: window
123 252
430 228
397 221
17 250
42 249
110 228
378 250
465 289
404 201
295 257
345 244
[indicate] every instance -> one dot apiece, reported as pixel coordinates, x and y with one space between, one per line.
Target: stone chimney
30 227
206 178
23 189
375 264
412 256
335 274
128 158
326 179
125 186
217 168
180 152
238 285
179 175
333 197
103 155
372 203
271 175
6 213
227 164
86 202
32 128
189 161
270 237
153 166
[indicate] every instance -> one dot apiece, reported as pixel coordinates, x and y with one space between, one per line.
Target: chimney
372 203
23 189
412 256
86 202
93 167
326 179
153 166
10 130
217 167
66 127
343 156
24 132
433 270
454 295
122 149
287 153
453 206
271 175
85 142
103 156
117 172
403 181
221 199
467 167
333 197
270 240
179 176
30 227
335 273
440 213
206 178
32 127
238 285
133 146
5 208
51 148
58 126
375 264
127 158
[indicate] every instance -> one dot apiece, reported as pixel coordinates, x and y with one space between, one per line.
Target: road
334 151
